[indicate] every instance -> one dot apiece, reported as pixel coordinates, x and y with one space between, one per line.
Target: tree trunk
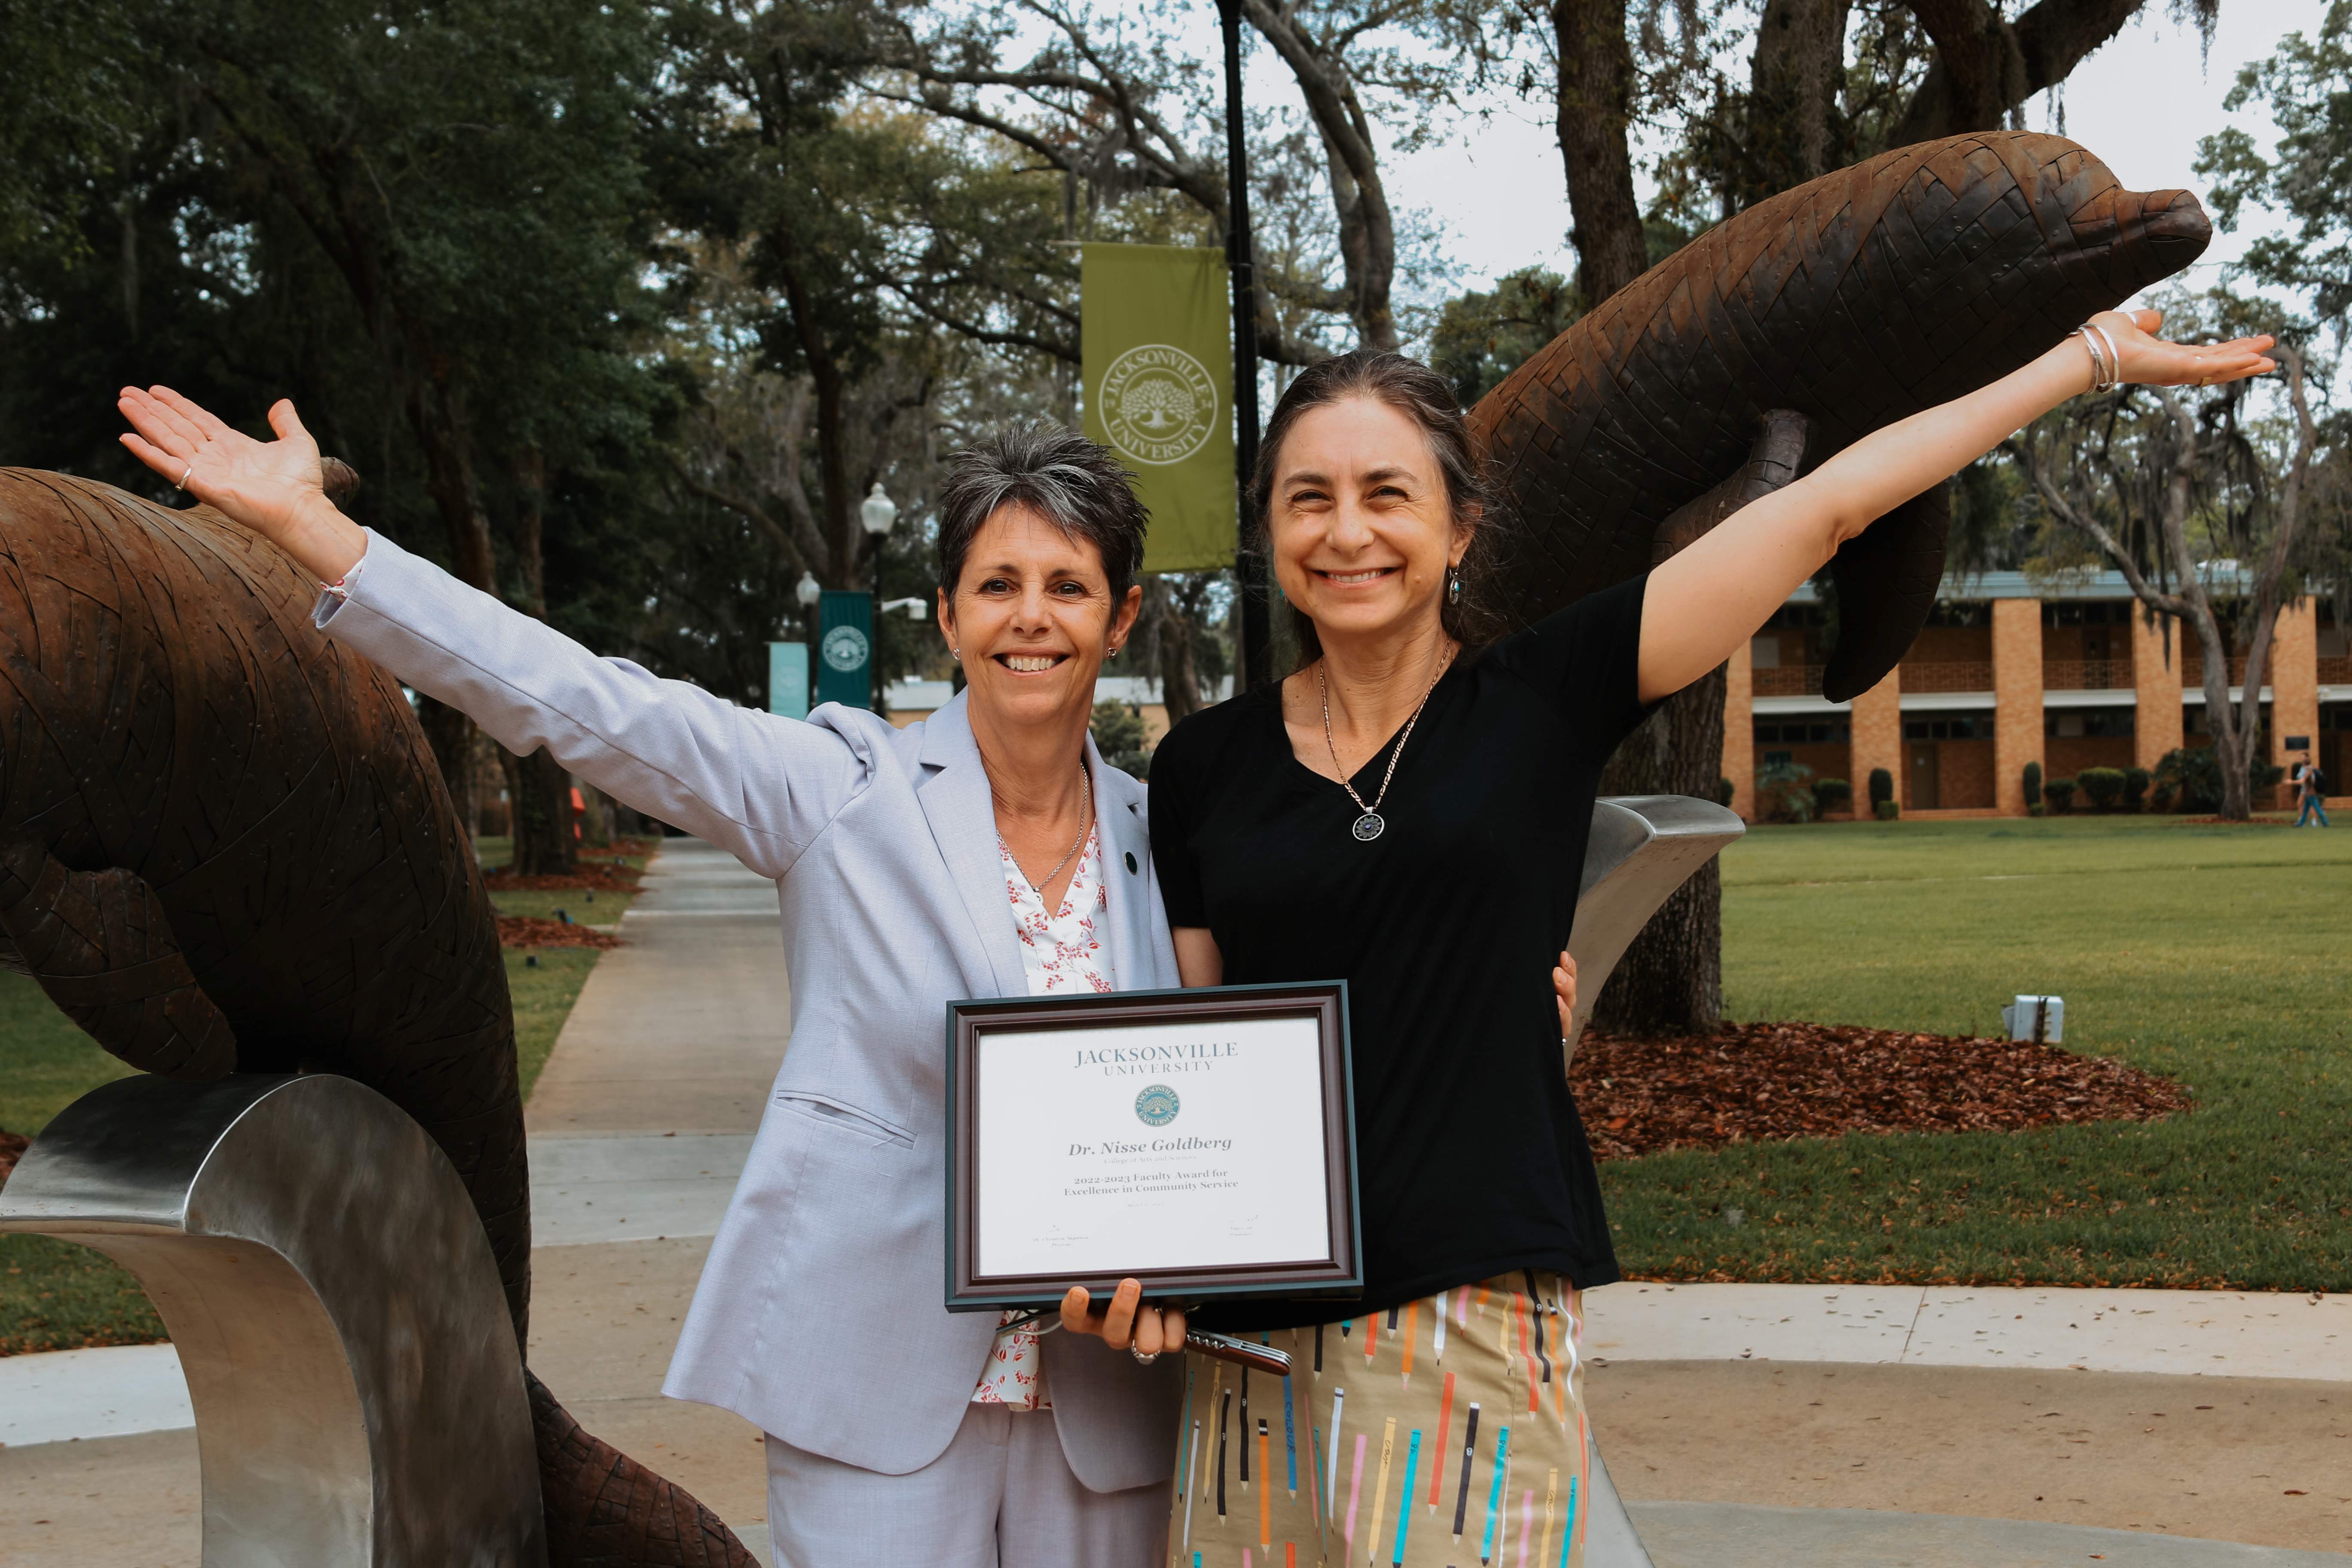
539 788
1359 196
451 735
1796 124
1180 683
838 526
541 793
1596 103
1671 979
437 415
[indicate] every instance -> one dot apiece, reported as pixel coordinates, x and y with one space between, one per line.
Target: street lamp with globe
878 511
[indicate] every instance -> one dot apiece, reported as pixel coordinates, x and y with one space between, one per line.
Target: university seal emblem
1157 1105
844 648
1159 405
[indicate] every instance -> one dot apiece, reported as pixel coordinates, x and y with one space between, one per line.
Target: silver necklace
1369 826
1086 824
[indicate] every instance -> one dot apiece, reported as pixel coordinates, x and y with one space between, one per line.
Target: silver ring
1142 1360
184 476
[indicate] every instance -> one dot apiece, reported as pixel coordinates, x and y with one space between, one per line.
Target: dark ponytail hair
1427 398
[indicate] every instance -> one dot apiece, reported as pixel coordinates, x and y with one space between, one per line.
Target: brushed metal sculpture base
1642 847
358 1389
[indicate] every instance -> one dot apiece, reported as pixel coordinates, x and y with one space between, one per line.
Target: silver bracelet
2106 369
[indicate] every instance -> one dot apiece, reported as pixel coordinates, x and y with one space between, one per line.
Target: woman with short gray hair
987 850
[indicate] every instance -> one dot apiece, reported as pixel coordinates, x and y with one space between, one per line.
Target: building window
1959 727
2096 721
1778 759
1798 733
2094 612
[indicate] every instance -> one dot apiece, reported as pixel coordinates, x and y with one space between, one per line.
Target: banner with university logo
1156 335
845 647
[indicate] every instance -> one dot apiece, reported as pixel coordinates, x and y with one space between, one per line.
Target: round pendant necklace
1370 824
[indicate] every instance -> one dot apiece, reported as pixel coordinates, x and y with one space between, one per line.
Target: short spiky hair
1069 480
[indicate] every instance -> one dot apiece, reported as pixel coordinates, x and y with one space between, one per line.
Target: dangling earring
1453 586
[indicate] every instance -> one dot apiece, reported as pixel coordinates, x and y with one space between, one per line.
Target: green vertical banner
1156 335
845 647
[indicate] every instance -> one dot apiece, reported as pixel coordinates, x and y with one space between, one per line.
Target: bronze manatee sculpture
1852 301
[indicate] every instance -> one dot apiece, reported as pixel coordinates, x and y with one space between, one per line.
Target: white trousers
1000 1496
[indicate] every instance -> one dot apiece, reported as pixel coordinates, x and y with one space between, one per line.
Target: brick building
2009 671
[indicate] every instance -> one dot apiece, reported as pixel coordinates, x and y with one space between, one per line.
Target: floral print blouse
1062 951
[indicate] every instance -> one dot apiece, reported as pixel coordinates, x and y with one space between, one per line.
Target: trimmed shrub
2032 786
1885 810
2189 779
2037 809
2060 793
2135 788
1724 790
1833 795
1882 790
1782 793
2101 787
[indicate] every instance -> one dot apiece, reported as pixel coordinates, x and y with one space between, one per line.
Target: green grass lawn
2216 955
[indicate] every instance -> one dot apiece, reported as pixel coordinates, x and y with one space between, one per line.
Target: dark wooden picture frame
1340 1273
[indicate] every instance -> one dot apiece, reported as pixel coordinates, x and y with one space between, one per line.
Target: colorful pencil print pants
1446 1432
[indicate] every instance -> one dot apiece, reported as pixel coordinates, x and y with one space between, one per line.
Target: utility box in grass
2019 1018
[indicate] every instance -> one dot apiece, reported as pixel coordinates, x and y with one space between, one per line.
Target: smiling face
1033 619
1363 531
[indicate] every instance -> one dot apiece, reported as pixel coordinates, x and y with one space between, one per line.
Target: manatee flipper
100 945
1772 462
606 1510
1886 580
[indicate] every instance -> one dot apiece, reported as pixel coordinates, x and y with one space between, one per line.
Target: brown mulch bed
531 930
604 870
11 1145
1769 1082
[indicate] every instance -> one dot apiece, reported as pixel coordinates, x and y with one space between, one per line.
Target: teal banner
788 673
845 647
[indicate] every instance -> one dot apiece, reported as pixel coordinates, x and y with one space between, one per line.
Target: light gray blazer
818 1317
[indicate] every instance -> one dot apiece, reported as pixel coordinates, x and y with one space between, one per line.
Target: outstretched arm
762 787
1706 599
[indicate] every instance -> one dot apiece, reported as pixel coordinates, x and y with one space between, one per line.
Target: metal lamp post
878 511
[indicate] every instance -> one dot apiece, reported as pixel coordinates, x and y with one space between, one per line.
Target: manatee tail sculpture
224 846
1849 303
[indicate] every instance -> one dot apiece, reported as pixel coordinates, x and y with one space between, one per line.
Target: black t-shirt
1447 927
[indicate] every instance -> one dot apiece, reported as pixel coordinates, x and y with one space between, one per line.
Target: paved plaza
1764 1426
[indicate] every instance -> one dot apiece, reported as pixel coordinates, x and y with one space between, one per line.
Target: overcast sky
2140 103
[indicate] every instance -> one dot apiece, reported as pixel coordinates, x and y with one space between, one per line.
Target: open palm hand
2151 361
268 486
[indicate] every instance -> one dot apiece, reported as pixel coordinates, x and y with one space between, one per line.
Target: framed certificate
1199 1141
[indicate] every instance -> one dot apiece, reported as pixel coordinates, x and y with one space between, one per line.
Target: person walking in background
2312 791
